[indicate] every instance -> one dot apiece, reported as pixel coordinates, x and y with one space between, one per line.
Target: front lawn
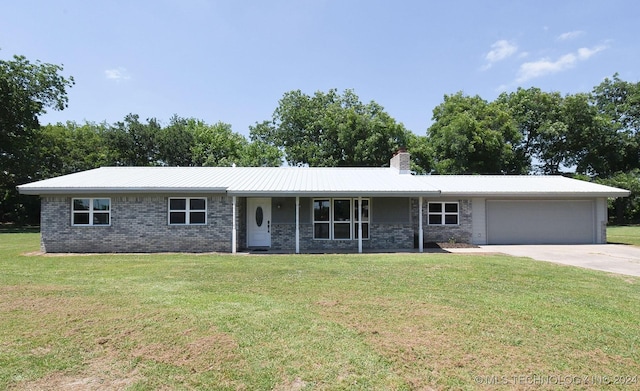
374 321
626 234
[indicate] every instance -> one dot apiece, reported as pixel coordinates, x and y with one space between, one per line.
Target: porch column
297 225
420 231
359 224
233 227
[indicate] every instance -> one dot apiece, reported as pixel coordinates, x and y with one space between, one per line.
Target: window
321 222
442 213
91 211
365 218
342 219
338 218
187 211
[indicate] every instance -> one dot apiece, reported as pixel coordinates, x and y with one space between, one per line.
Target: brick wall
461 233
138 224
383 237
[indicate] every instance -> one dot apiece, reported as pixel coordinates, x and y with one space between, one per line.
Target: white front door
259 222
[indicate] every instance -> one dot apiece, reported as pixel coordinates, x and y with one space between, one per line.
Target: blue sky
231 61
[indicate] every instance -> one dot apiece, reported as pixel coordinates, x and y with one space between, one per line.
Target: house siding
138 224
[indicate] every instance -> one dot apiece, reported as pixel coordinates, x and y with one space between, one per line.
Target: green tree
27 90
471 136
625 209
216 145
70 147
133 143
175 141
329 129
618 102
539 121
593 143
420 153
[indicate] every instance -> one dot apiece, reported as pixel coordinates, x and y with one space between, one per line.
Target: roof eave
107 190
328 193
538 194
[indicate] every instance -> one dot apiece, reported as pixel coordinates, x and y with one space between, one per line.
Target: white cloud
569 35
585 53
117 74
499 51
532 70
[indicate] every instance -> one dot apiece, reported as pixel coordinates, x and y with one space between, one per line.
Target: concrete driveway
613 258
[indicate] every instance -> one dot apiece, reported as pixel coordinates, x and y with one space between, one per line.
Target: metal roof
241 181
311 181
518 186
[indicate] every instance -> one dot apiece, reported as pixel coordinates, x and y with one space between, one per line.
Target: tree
471 136
68 148
593 144
329 129
27 90
420 153
539 121
618 102
625 209
174 142
133 143
216 145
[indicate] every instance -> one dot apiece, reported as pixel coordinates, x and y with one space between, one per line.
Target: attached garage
541 221
529 209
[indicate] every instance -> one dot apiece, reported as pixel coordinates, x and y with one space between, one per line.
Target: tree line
592 136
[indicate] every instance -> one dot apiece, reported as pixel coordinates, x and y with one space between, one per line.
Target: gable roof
310 181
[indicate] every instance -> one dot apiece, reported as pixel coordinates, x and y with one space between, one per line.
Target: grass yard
627 234
322 322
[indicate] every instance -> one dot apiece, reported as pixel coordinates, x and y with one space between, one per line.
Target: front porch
317 225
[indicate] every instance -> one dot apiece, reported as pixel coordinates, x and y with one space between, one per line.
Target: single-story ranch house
304 209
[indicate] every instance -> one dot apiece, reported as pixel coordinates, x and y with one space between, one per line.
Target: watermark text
557 380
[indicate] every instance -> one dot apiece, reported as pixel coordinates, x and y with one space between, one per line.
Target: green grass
628 234
374 321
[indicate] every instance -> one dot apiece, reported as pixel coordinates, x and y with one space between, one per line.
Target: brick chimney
401 161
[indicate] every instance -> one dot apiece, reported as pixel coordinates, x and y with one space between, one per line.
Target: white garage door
540 222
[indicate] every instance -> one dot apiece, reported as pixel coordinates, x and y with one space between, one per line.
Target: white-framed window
322 219
91 211
365 218
342 219
187 211
442 213
337 218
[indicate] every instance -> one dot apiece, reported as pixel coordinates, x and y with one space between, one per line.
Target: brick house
304 209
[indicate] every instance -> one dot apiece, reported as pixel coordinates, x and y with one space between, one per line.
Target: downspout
233 227
420 230
297 225
359 225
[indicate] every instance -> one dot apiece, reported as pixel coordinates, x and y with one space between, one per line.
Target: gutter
106 190
555 195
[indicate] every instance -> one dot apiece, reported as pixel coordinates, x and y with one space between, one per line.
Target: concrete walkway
613 258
